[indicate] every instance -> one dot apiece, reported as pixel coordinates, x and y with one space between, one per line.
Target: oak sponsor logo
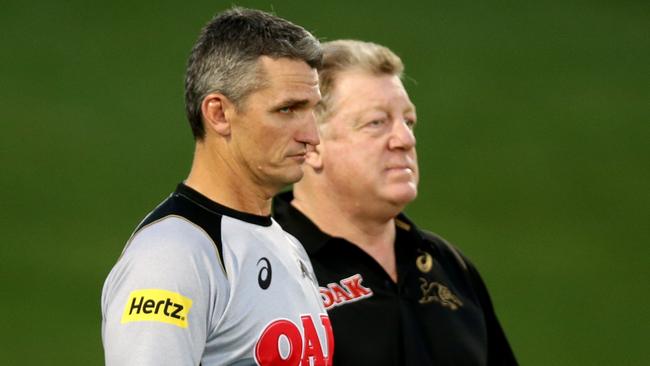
154 305
285 343
348 290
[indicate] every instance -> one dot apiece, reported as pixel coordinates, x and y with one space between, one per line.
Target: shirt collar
297 224
204 202
312 238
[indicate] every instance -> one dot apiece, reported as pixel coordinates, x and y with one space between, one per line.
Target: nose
402 136
308 133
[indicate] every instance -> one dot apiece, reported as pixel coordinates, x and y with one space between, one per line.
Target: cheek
269 139
353 169
352 158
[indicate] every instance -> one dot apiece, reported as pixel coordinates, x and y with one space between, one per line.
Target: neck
371 230
215 177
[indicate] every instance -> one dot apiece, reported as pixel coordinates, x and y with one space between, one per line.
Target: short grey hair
225 57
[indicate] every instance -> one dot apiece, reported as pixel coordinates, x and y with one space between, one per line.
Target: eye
410 123
285 110
376 123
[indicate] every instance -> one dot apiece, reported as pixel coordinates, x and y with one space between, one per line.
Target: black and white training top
200 283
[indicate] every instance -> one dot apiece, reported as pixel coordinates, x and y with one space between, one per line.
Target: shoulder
166 292
170 235
177 230
171 252
455 262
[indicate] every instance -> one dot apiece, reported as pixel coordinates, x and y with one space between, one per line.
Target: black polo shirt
438 313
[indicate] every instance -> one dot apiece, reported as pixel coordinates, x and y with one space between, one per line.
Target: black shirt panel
195 210
200 210
438 313
216 208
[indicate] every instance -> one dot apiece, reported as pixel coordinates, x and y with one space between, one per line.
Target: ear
216 109
314 156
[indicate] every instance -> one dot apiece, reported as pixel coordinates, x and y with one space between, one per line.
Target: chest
272 310
429 316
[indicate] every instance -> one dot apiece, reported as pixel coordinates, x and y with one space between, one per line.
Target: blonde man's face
367 143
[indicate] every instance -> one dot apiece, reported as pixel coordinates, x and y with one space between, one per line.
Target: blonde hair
344 55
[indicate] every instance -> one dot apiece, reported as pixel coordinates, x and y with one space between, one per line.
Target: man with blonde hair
395 294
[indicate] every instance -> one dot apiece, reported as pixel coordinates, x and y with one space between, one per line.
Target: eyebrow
410 108
293 103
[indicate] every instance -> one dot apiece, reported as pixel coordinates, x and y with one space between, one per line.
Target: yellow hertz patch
153 305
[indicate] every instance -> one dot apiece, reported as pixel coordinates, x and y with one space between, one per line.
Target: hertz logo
155 305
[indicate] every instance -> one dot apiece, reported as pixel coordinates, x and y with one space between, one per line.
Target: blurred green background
533 137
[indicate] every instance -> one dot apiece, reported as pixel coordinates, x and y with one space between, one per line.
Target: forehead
288 78
358 91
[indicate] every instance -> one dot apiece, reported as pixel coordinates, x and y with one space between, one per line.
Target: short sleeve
159 301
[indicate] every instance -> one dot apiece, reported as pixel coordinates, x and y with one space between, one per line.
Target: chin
292 177
402 197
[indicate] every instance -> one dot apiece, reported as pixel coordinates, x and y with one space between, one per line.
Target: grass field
533 137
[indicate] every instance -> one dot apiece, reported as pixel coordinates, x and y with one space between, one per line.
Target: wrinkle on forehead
286 69
357 93
287 79
378 91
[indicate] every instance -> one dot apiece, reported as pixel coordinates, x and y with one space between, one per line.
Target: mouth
401 172
408 168
402 163
299 156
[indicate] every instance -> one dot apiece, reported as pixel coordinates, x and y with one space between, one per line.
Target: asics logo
265 273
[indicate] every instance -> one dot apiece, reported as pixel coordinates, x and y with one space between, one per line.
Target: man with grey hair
396 294
209 277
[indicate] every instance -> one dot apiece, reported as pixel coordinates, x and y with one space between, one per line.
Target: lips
298 155
400 167
404 171
401 163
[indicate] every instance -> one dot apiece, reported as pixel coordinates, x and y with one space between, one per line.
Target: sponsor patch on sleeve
154 305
